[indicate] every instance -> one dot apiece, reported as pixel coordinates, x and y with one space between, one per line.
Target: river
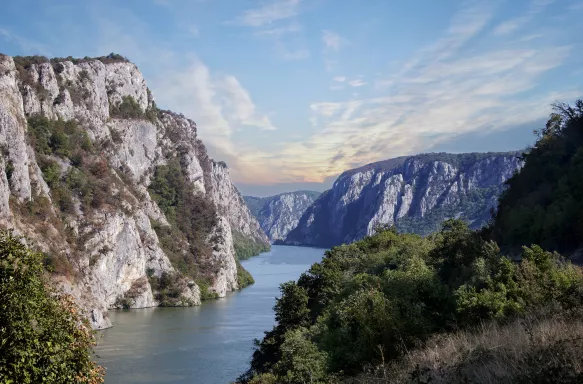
208 344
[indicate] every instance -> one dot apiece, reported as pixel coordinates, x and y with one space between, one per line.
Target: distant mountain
279 214
415 193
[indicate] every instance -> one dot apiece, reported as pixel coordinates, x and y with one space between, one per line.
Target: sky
290 93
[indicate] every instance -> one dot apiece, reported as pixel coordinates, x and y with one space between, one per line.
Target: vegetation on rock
186 241
246 247
81 182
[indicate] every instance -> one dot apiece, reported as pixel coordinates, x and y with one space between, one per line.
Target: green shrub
246 247
244 278
43 337
301 361
128 108
57 137
109 59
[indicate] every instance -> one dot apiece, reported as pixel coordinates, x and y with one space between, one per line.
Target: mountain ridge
405 191
278 214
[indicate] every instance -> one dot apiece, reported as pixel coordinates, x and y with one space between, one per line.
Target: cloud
269 13
239 101
509 26
194 31
279 31
357 83
333 41
291 54
220 105
26 45
270 21
437 94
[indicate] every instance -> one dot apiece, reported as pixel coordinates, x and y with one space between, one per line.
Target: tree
43 337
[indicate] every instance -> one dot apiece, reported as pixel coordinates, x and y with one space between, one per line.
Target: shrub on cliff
43 337
128 108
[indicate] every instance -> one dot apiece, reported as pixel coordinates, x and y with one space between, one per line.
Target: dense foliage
128 108
376 302
246 247
544 202
43 337
376 298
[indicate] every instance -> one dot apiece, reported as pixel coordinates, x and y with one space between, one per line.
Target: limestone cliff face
279 214
414 193
110 246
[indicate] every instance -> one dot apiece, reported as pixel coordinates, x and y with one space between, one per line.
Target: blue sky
292 92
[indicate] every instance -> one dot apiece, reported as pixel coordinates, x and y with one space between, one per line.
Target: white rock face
232 205
415 193
119 246
279 214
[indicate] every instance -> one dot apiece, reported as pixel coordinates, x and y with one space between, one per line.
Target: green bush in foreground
450 307
43 337
376 299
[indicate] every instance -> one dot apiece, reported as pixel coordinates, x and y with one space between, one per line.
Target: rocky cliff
120 196
281 213
414 193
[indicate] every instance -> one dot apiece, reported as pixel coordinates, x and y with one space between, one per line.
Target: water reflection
211 343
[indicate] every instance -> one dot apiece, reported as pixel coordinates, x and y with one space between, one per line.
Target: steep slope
93 173
415 193
281 213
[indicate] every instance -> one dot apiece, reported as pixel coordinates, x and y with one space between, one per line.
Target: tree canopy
43 336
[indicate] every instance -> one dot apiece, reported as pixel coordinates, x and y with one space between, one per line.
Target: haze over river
209 344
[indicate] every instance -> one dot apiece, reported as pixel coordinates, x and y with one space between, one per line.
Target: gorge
121 197
279 214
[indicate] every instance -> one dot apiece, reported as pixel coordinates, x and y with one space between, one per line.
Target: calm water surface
208 344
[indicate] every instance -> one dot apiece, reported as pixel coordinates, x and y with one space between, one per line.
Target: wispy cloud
276 20
357 83
278 32
242 108
436 95
268 13
509 26
296 54
194 31
26 45
333 41
221 106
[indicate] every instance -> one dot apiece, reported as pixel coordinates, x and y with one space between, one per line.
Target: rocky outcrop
414 193
279 214
91 210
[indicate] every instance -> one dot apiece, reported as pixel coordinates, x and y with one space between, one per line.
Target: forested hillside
450 307
544 202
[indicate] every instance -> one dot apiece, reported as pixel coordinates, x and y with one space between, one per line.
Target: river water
208 344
